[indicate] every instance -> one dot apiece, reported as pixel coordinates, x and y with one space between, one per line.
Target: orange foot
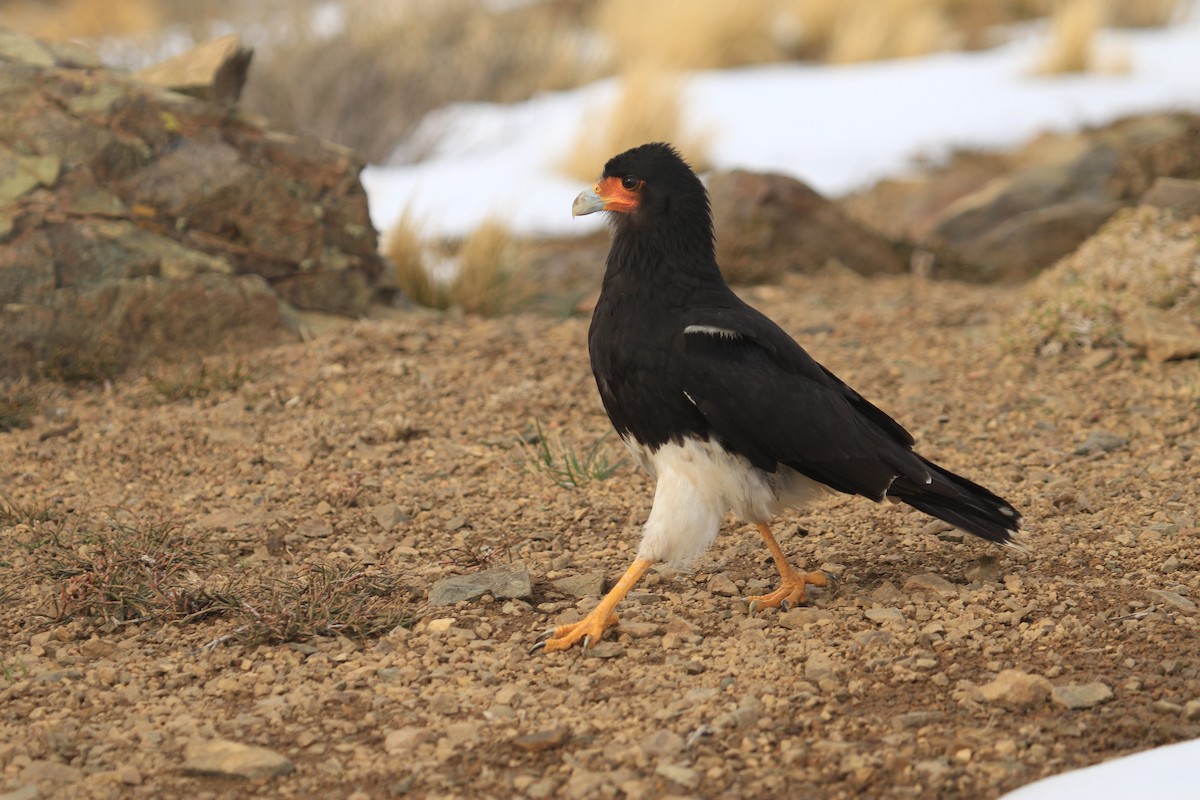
591 628
791 589
790 592
587 631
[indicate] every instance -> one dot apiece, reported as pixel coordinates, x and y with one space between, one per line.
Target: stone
1077 696
55 772
1191 710
543 740
662 743
767 225
930 584
818 666
1100 442
505 581
222 758
30 792
114 190
797 618
723 585
214 70
1163 335
1016 690
589 584
1172 599
1180 196
885 616
389 516
985 569
677 773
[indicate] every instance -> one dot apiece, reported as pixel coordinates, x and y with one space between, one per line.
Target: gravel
395 443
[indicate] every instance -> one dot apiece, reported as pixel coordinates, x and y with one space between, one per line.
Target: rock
887 593
1163 335
723 585
138 221
31 792
42 771
818 666
677 773
799 617
1191 710
930 584
885 616
1172 599
1015 689
1100 442
440 625
1082 695
1022 246
589 584
767 225
505 581
1180 196
985 569
462 735
605 650
543 740
389 516
662 743
222 758
214 71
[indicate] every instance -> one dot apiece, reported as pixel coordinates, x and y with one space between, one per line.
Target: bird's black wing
767 399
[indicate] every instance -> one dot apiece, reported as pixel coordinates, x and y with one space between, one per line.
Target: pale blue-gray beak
588 202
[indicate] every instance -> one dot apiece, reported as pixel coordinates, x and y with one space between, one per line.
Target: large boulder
769 224
126 209
1010 216
1134 283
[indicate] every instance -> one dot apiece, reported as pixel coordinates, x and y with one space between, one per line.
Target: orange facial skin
615 196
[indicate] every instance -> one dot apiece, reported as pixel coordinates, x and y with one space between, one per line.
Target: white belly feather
697 483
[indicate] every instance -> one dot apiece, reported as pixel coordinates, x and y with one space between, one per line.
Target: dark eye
630 183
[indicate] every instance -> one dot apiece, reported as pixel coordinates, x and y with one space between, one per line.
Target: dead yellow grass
685 34
869 30
82 19
491 268
404 246
649 108
1144 13
493 272
1072 44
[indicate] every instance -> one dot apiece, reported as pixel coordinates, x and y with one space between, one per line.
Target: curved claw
540 645
587 642
753 609
784 605
542 638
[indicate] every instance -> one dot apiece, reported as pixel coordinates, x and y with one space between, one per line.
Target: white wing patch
713 330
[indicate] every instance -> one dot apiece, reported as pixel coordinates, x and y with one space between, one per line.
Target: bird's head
650 183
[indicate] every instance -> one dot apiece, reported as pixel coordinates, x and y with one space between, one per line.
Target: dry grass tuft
83 19
649 108
1144 13
683 34
348 600
368 85
868 31
1073 29
493 272
18 404
128 573
196 380
405 247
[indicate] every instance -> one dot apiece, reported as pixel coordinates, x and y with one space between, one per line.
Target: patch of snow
837 128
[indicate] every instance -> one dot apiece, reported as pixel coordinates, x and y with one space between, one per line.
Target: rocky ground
940 666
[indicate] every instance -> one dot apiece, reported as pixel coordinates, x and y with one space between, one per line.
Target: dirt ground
394 444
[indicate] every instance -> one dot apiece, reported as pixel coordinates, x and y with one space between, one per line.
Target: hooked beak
588 202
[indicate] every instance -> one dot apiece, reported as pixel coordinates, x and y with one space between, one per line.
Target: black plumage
685 366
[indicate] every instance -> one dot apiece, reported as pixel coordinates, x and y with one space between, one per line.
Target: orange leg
591 628
791 590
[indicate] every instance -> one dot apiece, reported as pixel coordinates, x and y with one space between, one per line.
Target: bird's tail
961 503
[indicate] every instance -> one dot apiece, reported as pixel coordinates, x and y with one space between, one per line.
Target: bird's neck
678 255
